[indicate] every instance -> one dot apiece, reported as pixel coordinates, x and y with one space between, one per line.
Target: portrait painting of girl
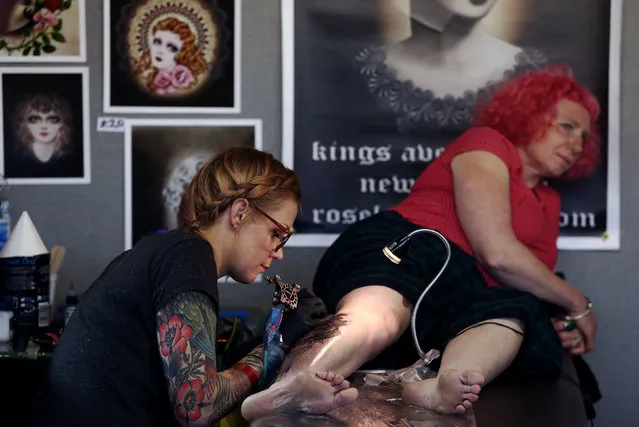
43 128
171 56
173 64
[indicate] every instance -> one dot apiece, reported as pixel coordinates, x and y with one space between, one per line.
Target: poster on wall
161 158
42 31
177 56
374 91
44 133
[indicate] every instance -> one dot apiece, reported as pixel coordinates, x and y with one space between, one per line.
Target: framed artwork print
177 56
44 135
161 158
42 31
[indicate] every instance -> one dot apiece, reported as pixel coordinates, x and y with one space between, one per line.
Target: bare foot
315 393
452 392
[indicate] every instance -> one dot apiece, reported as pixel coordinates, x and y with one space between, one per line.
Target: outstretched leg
473 358
367 321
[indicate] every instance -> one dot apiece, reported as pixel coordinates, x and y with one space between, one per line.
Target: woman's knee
378 313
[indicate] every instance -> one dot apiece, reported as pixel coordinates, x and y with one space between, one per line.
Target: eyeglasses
287 232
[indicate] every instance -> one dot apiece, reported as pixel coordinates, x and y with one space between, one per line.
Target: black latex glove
295 324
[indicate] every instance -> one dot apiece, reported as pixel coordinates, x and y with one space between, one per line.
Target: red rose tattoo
174 336
187 343
189 400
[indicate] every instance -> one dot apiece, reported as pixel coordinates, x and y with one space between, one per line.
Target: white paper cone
24 240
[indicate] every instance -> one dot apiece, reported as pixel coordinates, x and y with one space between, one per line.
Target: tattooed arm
187 335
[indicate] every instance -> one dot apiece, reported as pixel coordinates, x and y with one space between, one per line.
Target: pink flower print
162 82
189 397
182 77
174 336
178 78
43 18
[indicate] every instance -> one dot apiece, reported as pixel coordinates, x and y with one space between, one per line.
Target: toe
338 380
476 389
325 375
470 397
460 409
472 378
345 397
341 386
467 404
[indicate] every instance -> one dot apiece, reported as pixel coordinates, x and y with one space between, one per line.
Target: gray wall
89 220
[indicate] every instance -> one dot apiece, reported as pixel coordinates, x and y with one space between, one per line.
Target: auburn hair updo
234 174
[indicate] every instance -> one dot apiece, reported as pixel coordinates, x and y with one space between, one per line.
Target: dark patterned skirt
459 299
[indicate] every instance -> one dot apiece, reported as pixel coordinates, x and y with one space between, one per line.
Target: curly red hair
523 108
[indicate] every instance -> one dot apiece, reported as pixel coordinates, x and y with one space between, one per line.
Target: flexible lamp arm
394 252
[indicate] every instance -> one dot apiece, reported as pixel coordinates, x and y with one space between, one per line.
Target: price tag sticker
111 124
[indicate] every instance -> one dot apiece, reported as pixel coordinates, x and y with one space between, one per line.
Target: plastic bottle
5 222
70 304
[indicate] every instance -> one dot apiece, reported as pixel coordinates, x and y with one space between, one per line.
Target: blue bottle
5 222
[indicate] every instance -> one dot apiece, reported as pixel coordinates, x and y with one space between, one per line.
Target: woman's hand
588 327
296 323
570 340
579 340
586 323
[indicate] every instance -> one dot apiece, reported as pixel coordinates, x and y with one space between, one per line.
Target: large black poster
375 90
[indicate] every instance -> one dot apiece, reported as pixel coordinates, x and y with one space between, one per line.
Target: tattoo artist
140 348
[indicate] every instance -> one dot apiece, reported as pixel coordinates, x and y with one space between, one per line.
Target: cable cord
413 326
477 325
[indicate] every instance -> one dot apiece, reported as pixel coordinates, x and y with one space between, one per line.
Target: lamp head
397 249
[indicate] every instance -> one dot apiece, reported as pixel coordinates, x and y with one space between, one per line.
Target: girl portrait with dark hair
44 127
44 133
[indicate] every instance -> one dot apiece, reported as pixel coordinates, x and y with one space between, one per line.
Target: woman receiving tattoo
140 348
498 310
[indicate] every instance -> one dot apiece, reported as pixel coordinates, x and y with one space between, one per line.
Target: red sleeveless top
431 203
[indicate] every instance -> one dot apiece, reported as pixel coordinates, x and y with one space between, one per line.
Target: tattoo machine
285 298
